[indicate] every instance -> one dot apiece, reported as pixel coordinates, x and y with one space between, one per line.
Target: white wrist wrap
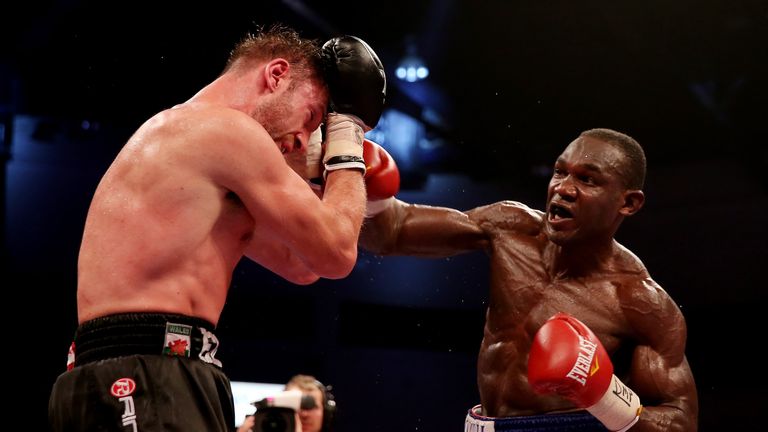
372 208
315 154
308 163
619 408
343 143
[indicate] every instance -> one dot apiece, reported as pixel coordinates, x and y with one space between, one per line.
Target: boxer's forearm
665 419
420 230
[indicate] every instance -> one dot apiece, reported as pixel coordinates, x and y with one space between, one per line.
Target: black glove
355 78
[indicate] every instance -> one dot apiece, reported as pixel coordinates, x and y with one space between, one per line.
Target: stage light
411 68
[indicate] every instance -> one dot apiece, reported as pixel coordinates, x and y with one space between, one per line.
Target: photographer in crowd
317 410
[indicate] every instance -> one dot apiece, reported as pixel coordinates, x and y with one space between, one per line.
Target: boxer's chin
559 237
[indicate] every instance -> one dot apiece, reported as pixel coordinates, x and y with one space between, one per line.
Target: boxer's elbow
305 279
336 262
345 262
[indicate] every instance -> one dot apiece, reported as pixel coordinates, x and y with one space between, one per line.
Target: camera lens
274 422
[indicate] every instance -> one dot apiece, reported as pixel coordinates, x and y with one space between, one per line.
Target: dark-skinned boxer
578 336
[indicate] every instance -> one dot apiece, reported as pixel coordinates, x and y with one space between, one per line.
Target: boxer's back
160 234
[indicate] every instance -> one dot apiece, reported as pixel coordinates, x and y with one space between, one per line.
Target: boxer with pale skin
193 191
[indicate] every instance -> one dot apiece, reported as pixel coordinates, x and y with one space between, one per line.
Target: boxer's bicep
666 388
660 372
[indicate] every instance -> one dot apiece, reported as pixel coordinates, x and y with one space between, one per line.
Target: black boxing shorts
577 421
139 372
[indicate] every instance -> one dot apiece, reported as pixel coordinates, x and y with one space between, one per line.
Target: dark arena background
509 84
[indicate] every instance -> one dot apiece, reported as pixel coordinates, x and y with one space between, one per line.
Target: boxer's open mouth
557 212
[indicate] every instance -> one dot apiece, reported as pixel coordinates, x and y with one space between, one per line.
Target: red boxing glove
567 359
382 178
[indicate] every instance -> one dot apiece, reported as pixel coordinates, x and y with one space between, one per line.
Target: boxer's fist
382 178
355 78
357 86
567 359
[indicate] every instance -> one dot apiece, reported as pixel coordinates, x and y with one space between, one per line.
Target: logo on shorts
122 389
177 340
210 345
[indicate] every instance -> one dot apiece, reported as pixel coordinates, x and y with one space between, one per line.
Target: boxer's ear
633 202
275 72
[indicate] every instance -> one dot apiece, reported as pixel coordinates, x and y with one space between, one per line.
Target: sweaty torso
160 235
524 295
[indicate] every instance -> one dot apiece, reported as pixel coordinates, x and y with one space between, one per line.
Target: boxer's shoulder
203 123
649 309
508 216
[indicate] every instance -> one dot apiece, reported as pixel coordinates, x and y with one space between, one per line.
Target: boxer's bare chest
525 291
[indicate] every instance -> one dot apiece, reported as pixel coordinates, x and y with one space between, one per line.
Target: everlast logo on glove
581 369
563 343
